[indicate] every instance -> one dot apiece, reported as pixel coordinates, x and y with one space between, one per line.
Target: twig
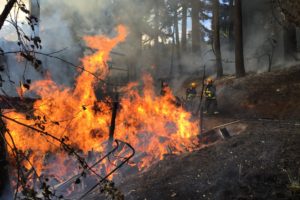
61 141
58 58
6 11
109 174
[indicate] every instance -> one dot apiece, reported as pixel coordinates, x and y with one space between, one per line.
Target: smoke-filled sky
59 29
63 23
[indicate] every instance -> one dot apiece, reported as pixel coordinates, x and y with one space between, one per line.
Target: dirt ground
260 161
250 165
273 95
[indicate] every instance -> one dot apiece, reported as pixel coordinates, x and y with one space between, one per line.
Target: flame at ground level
152 124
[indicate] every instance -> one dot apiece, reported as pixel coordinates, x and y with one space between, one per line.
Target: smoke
63 24
264 37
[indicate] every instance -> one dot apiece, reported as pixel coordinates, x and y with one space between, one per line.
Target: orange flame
152 124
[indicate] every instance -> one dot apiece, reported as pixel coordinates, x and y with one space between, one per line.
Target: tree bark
4 177
156 37
156 23
216 38
184 26
290 42
195 26
231 25
176 29
6 12
239 51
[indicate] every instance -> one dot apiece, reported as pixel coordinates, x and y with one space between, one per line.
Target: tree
160 22
290 10
290 41
239 51
231 24
156 22
6 11
216 38
195 26
184 25
4 177
176 31
288 17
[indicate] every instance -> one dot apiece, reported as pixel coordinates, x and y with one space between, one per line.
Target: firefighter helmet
193 85
209 80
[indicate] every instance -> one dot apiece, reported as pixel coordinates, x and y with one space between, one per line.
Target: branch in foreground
103 182
6 12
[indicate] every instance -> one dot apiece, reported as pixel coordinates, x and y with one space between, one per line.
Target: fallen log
215 134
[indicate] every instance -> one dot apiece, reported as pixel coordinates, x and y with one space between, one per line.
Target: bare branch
6 12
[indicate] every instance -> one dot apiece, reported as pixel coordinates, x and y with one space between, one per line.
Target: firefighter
210 97
164 86
191 94
191 91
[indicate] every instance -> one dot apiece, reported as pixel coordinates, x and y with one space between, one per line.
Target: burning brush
64 122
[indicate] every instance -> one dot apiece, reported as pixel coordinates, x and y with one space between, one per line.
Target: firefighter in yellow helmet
210 97
191 91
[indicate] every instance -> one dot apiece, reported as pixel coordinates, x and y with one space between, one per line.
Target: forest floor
260 161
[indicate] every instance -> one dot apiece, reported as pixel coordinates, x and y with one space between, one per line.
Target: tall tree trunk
290 42
172 55
4 177
176 29
156 23
239 51
231 25
156 37
184 26
6 11
195 26
216 38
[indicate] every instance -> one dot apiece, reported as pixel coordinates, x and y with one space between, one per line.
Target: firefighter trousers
211 105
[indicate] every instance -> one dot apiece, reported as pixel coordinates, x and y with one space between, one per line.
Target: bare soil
255 163
250 165
273 95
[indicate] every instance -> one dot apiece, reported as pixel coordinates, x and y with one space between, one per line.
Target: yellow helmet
193 85
209 80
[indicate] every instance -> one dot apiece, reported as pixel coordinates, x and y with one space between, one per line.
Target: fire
152 124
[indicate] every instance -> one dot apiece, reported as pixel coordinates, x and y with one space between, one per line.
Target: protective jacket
191 93
210 91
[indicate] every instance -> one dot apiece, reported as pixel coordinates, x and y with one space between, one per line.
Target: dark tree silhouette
184 26
216 38
195 26
239 47
6 11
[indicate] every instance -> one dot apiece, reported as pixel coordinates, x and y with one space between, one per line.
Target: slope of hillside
272 95
261 162
252 165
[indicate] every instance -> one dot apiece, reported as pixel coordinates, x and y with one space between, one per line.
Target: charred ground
254 164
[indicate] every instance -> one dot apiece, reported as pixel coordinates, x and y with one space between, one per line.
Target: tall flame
152 124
